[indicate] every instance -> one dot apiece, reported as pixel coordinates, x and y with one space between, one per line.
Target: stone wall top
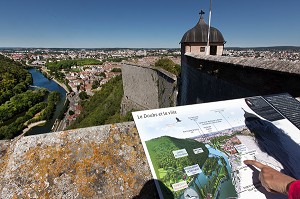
171 75
280 66
103 161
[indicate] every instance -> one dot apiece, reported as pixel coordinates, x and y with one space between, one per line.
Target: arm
274 181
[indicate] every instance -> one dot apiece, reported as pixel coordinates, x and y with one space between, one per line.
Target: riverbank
40 80
62 85
33 125
44 70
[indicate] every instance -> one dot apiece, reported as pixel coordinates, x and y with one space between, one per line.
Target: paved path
30 126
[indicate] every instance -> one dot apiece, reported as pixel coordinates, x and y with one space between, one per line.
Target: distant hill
79 49
296 48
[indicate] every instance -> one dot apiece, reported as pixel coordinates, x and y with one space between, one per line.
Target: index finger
254 163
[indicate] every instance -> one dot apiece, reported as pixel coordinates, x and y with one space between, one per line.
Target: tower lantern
195 39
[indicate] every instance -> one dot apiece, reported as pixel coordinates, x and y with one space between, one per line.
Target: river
40 80
226 186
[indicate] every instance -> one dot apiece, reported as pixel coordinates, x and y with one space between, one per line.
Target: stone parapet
266 64
207 78
97 162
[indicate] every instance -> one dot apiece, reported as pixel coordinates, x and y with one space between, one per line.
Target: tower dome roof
198 34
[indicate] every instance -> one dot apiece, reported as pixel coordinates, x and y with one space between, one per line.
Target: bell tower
195 40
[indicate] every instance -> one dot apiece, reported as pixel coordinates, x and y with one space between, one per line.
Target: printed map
197 151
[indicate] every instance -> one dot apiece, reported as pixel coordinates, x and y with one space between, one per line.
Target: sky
194 120
145 23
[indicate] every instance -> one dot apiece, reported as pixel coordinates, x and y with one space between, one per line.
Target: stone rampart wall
147 87
213 78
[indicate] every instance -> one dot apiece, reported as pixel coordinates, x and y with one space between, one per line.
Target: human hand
271 179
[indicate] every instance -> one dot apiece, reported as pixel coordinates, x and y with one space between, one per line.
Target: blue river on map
226 187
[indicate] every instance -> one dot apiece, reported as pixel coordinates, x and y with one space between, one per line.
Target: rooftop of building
199 33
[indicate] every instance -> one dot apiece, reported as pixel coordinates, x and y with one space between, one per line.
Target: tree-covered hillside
103 107
14 79
161 149
24 109
66 64
168 65
55 67
20 106
170 170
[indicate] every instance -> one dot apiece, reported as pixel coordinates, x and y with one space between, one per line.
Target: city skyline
144 24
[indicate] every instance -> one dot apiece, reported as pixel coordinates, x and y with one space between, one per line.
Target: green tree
168 65
103 107
83 95
116 70
14 79
52 100
95 84
102 74
20 103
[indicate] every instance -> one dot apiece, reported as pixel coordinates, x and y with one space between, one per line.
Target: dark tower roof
198 34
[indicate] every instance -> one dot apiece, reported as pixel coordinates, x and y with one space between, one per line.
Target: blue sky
194 119
144 23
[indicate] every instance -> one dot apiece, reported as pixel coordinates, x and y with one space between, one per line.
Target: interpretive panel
197 151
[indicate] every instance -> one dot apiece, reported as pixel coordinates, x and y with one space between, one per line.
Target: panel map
197 151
